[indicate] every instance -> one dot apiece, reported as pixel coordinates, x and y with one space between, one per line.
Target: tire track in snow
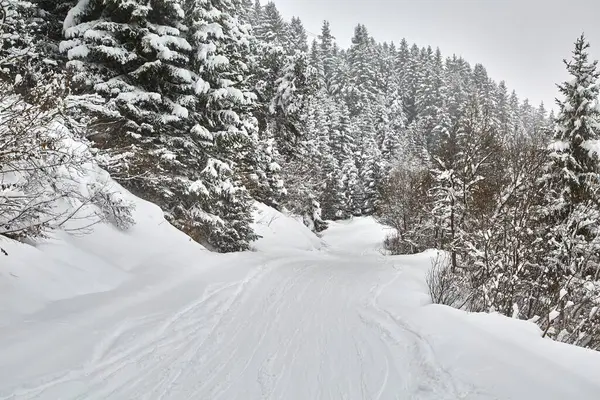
188 345
268 370
274 303
99 369
428 379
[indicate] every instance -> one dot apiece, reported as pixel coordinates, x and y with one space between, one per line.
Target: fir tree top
574 151
578 119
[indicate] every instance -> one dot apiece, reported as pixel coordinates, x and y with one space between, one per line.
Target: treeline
516 207
203 106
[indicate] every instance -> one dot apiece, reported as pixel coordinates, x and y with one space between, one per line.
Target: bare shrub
405 206
446 287
46 173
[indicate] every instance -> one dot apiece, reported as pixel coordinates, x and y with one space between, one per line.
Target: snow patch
279 231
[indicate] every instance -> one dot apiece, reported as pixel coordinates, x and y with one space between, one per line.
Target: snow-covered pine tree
331 197
29 35
223 129
503 113
294 89
280 77
541 130
18 32
327 54
270 27
371 175
368 162
390 131
426 94
260 158
134 55
298 41
572 208
313 165
484 88
388 110
133 88
361 87
431 99
171 110
343 147
401 65
458 77
245 11
342 142
261 171
409 85
573 160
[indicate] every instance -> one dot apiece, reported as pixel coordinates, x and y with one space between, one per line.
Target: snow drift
65 266
282 232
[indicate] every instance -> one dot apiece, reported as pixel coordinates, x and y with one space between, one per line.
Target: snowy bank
279 231
67 266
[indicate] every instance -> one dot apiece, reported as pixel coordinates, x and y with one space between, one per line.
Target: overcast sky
520 41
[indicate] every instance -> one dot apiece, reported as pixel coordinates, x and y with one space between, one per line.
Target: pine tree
134 56
541 129
503 113
29 35
572 210
431 100
246 11
224 128
331 195
401 65
367 158
351 179
517 129
410 83
256 12
426 90
280 77
391 132
172 103
458 77
343 145
298 41
134 89
361 87
270 26
573 160
327 55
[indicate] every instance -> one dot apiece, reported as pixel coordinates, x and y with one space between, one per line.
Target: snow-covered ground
150 314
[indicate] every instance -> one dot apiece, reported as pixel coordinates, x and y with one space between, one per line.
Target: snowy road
342 323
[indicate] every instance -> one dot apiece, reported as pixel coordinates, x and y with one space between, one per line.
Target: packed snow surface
148 314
